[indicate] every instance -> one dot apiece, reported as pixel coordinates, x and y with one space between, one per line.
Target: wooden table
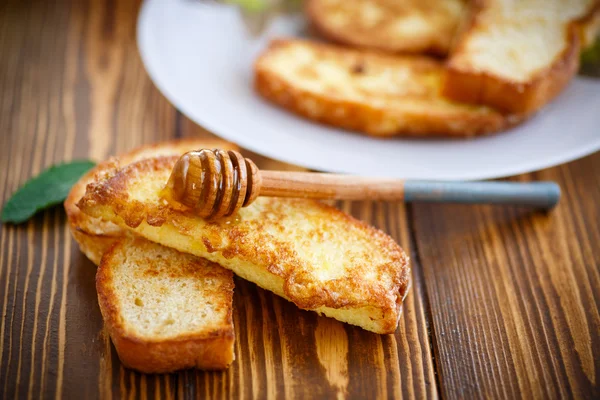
504 302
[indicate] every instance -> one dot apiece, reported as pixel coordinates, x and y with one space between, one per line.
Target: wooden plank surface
74 87
504 302
515 293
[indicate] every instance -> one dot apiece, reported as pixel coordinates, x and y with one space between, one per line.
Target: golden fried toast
365 91
518 55
95 236
309 253
165 310
414 26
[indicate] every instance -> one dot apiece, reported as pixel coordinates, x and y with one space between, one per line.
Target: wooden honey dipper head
213 183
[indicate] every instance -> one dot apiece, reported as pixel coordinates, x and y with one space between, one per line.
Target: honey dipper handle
329 186
332 186
543 195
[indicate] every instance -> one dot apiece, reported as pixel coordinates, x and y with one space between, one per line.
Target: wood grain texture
504 302
73 86
515 293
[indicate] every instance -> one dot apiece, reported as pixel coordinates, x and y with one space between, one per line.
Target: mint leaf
47 189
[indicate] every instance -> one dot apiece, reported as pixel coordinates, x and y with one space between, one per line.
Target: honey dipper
217 183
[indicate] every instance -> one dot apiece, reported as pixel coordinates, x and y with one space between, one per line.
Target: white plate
200 56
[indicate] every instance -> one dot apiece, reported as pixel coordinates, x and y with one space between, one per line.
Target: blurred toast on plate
366 91
93 235
518 55
165 310
413 26
309 253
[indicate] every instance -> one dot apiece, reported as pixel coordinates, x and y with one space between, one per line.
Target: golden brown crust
263 235
94 226
76 218
205 349
442 19
170 356
448 119
479 87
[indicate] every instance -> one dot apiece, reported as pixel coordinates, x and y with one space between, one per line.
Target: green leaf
590 60
47 189
251 6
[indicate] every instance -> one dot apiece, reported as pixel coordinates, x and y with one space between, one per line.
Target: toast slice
518 55
309 253
165 310
413 26
94 236
365 91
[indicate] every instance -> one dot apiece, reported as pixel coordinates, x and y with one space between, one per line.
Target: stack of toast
497 63
164 310
165 276
165 279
